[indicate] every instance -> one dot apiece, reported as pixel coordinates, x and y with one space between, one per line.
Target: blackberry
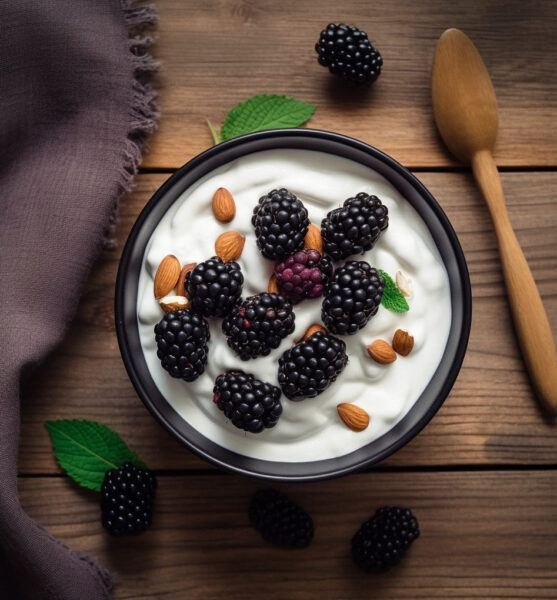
381 541
354 227
250 404
258 325
303 274
352 297
311 366
181 337
281 222
280 521
127 496
348 53
214 287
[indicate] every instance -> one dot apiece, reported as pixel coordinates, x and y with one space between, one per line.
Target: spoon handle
529 316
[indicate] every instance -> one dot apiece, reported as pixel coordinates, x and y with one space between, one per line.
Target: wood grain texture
216 53
490 416
483 535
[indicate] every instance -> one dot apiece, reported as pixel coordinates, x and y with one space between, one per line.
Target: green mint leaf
86 450
265 112
392 297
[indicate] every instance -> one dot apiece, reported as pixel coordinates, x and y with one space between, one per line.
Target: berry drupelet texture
381 541
281 221
280 521
352 297
303 274
258 325
127 496
311 366
354 227
214 287
348 53
250 404
181 338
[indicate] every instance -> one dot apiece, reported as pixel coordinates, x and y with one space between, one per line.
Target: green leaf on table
86 450
265 112
392 298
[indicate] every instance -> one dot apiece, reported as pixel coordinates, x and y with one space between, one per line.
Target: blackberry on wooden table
280 521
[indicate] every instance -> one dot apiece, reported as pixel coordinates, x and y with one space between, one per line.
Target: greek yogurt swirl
308 430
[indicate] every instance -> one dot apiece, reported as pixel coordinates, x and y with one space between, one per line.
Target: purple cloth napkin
75 110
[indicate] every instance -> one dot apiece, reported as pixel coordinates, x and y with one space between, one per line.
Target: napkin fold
75 109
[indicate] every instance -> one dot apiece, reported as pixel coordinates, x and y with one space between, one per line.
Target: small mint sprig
86 450
267 111
392 298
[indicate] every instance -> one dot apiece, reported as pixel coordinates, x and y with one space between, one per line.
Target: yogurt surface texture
311 429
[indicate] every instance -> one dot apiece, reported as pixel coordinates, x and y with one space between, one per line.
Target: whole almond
272 288
403 342
381 352
170 303
229 245
353 416
181 285
311 330
224 207
313 240
166 276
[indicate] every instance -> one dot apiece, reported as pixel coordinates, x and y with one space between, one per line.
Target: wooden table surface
482 476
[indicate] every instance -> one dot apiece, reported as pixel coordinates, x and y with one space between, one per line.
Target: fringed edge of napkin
143 122
144 112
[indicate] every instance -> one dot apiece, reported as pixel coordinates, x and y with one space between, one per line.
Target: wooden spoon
465 111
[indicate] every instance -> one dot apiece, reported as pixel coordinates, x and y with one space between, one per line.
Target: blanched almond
170 303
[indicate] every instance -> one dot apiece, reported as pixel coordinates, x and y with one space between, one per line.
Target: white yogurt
311 429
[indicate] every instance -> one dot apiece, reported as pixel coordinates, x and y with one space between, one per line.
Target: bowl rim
413 190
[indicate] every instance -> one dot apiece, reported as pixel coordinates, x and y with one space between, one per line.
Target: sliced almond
403 342
313 240
404 284
229 245
353 416
181 285
170 303
224 207
272 288
381 352
166 276
311 330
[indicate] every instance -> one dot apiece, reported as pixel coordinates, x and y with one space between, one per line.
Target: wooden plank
218 53
483 535
490 416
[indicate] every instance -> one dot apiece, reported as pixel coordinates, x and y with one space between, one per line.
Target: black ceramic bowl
410 188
